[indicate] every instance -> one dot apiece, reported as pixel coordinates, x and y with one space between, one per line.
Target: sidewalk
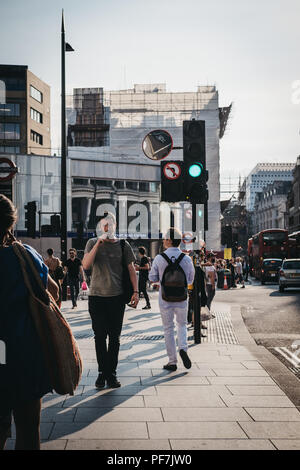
226 401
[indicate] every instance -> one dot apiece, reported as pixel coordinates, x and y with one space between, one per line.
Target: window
9 131
13 84
36 116
38 138
36 94
10 109
9 149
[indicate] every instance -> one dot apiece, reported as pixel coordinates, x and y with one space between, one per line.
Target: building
24 112
264 174
112 142
294 201
270 206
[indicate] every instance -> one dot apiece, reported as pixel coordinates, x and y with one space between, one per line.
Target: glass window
291 265
10 109
36 116
36 94
4 149
9 131
38 138
274 238
12 84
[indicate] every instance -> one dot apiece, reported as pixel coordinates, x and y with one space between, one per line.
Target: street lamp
63 234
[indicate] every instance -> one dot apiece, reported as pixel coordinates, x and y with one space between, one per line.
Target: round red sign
8 169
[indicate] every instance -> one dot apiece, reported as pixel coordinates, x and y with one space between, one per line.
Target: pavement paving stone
194 371
205 414
125 390
174 380
274 414
222 444
170 401
224 365
241 380
286 444
119 415
116 444
192 391
240 373
192 430
272 430
100 401
255 390
257 401
252 365
99 430
51 415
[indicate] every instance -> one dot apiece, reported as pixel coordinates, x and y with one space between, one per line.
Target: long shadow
111 398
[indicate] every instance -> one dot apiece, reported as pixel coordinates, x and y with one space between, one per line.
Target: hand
102 238
134 300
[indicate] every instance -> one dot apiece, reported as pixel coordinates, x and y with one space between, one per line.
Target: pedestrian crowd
116 279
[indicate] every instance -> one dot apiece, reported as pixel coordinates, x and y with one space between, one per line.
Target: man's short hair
142 250
50 251
174 235
73 249
109 216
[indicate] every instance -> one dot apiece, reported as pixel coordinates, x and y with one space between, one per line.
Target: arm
211 275
89 258
154 273
132 274
82 273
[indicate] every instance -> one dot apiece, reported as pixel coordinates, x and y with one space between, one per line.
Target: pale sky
249 49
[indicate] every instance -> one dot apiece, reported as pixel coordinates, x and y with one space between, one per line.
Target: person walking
73 267
173 310
143 270
55 271
239 271
23 377
105 255
211 275
231 266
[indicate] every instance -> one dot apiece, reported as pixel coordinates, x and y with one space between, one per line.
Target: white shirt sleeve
153 275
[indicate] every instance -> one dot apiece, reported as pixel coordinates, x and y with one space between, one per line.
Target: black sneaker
147 307
170 367
185 359
113 382
100 382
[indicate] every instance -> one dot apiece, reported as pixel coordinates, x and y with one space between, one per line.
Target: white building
264 174
132 114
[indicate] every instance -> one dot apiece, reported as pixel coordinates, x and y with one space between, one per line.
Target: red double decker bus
271 243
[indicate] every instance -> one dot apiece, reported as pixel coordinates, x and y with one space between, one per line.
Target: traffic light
227 236
79 228
30 218
55 224
172 183
194 157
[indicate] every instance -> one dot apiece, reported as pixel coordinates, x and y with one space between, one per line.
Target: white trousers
168 315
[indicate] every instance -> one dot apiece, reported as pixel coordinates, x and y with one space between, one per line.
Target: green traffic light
195 170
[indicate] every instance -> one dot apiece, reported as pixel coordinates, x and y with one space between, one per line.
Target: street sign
172 171
157 144
8 169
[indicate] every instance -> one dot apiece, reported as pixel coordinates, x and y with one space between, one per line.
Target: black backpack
174 284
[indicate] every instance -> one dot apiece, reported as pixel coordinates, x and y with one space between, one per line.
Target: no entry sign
8 169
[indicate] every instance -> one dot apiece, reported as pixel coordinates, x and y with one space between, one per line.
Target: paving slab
241 380
119 415
270 401
286 444
116 444
257 390
51 415
181 401
191 430
104 402
222 444
272 430
99 430
240 373
205 414
274 414
175 380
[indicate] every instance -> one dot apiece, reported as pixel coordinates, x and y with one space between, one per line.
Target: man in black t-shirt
74 267
143 269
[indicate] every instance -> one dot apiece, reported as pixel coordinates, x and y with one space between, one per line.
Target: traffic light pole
196 290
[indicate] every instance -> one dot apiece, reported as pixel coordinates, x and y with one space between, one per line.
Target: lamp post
64 213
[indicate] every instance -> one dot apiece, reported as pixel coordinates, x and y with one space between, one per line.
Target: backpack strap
180 257
166 258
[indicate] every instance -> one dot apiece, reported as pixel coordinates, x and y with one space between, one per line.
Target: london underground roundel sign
8 169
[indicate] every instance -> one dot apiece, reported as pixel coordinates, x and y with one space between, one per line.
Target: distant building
270 206
264 174
24 112
294 201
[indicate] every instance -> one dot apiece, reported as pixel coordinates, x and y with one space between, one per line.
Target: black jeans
143 288
107 315
74 289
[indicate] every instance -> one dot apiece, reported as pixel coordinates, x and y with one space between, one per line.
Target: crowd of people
113 283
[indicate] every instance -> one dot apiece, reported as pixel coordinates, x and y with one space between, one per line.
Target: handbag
126 282
61 353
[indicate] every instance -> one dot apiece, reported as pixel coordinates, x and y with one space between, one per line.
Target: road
272 318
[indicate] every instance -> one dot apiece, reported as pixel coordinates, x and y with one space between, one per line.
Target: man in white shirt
210 274
239 271
171 310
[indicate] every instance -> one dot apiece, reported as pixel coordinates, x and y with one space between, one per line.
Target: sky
248 49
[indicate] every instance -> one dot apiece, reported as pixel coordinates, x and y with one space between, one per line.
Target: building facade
294 201
264 174
270 206
24 112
